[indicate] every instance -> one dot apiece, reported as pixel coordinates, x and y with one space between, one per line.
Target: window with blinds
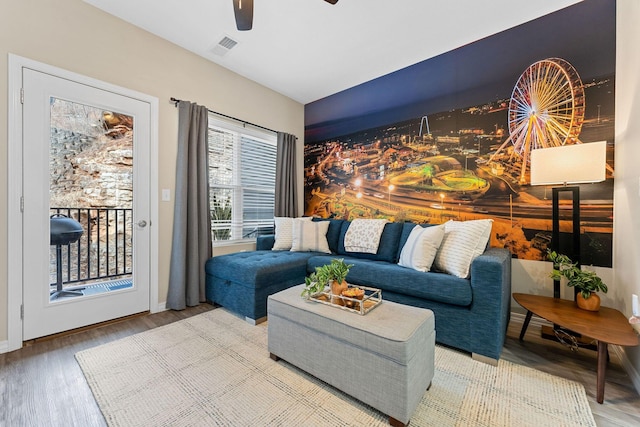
242 174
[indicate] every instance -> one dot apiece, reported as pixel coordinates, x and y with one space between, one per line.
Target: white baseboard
518 318
161 307
627 366
4 347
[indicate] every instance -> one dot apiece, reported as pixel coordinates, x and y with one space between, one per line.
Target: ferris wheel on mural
546 110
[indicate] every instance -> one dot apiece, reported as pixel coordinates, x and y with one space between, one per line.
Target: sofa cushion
407 228
259 268
421 247
463 242
265 242
387 248
431 286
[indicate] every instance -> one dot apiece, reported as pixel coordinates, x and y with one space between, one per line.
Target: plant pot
336 291
590 304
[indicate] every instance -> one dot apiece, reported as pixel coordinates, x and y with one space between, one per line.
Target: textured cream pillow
284 232
363 235
310 236
421 247
462 243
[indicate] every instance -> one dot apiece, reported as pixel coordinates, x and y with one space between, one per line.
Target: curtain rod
244 122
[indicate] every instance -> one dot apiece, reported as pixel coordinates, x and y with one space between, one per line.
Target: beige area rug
214 370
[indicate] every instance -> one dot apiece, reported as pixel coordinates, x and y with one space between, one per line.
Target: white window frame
240 129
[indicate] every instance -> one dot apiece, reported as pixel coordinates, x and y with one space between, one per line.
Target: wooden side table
607 326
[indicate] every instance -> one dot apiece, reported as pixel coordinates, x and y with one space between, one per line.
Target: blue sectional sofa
470 314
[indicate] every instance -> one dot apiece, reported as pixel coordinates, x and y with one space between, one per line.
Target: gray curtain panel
191 220
286 197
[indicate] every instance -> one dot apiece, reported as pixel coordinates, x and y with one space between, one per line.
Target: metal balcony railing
103 252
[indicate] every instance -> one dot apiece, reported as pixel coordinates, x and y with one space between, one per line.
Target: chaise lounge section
243 281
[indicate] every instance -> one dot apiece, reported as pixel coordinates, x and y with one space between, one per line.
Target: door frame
15 172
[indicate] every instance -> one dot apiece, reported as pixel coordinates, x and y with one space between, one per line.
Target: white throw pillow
421 247
310 236
463 241
284 232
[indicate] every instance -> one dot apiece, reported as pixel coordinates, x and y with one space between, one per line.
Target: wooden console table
607 326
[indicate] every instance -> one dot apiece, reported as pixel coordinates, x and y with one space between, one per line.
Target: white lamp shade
569 164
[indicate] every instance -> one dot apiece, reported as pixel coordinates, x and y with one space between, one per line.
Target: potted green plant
333 274
585 281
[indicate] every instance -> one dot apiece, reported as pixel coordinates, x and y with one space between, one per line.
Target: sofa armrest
265 242
491 304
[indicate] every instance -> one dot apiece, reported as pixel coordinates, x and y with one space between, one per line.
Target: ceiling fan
243 10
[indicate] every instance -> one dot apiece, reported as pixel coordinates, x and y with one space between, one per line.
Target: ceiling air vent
224 46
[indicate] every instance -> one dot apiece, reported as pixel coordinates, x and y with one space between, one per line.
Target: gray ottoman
384 358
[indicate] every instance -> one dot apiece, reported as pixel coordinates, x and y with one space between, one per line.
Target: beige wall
75 36
626 226
624 278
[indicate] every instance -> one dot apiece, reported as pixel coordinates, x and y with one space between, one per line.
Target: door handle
142 223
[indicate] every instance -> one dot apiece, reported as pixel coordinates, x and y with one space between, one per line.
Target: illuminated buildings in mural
470 164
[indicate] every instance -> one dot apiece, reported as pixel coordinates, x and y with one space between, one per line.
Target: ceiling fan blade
331 1
243 10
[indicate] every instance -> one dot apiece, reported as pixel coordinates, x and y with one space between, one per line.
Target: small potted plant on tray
586 282
333 275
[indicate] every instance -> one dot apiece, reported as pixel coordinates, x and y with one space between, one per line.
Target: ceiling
309 49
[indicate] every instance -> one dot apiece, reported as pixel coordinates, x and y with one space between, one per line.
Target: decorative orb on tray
355 293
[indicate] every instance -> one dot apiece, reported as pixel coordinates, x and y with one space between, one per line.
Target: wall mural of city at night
449 137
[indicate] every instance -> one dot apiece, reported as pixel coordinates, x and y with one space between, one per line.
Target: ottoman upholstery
384 358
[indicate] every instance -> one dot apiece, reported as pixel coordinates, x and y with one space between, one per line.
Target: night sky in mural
485 70
441 139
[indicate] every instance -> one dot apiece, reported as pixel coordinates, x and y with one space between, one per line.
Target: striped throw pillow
463 241
421 247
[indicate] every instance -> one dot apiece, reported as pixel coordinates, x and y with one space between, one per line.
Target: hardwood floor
42 385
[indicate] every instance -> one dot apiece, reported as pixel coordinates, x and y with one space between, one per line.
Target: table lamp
568 164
